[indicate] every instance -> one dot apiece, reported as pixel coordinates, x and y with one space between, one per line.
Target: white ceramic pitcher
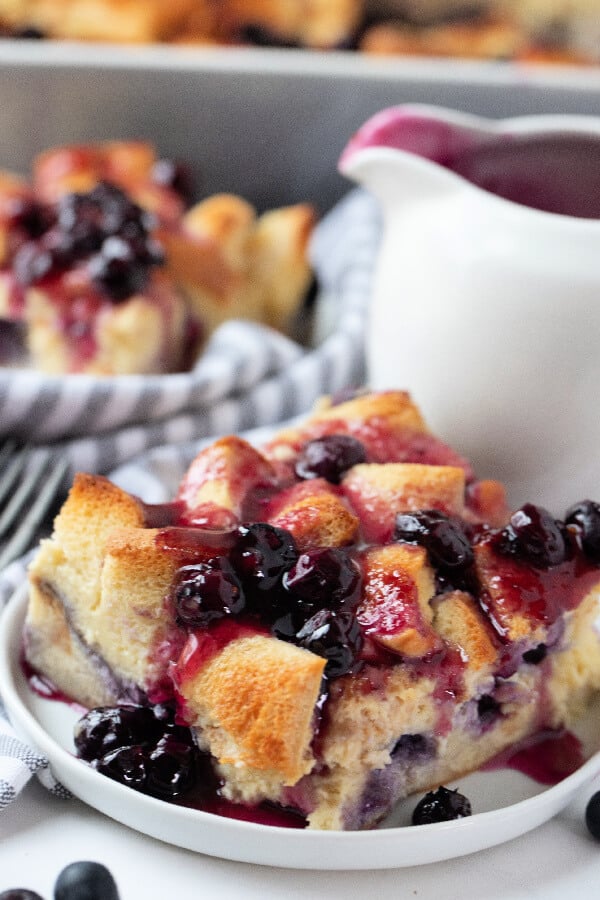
488 310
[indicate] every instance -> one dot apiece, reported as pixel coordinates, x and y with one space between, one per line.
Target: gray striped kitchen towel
249 374
248 377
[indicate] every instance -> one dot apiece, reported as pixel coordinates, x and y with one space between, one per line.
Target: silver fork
30 479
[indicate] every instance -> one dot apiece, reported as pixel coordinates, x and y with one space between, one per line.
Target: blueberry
535 537
19 894
488 709
323 578
585 516
413 747
31 216
106 728
85 881
261 555
592 815
171 767
79 217
336 636
441 805
116 271
206 592
442 536
329 457
535 655
127 765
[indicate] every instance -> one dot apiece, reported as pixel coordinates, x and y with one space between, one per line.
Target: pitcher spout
404 152
396 176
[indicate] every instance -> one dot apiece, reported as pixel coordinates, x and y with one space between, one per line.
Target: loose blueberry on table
592 815
82 880
85 881
442 805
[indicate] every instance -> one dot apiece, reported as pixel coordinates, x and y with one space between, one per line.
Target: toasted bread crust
256 700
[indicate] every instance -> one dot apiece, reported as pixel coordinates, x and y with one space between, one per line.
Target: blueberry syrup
162 515
43 687
264 814
548 758
194 544
541 595
202 645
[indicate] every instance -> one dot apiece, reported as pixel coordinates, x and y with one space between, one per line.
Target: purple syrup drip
553 172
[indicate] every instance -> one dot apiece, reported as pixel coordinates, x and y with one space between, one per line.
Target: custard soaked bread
342 617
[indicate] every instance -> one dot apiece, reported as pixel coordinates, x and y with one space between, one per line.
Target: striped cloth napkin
259 379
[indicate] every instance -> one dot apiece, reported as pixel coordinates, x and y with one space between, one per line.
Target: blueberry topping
442 536
171 767
535 537
207 592
535 655
441 805
329 457
336 636
140 747
592 815
106 728
127 765
85 881
321 579
103 225
585 516
116 271
261 555
287 625
19 894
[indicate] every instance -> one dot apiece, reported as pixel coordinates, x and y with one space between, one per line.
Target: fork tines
30 479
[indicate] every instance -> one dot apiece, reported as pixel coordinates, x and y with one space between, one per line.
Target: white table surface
40 834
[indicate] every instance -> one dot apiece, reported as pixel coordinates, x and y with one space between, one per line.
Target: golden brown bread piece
223 474
269 727
315 516
264 270
399 579
459 621
487 39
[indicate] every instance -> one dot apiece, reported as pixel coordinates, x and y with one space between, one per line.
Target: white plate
506 804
